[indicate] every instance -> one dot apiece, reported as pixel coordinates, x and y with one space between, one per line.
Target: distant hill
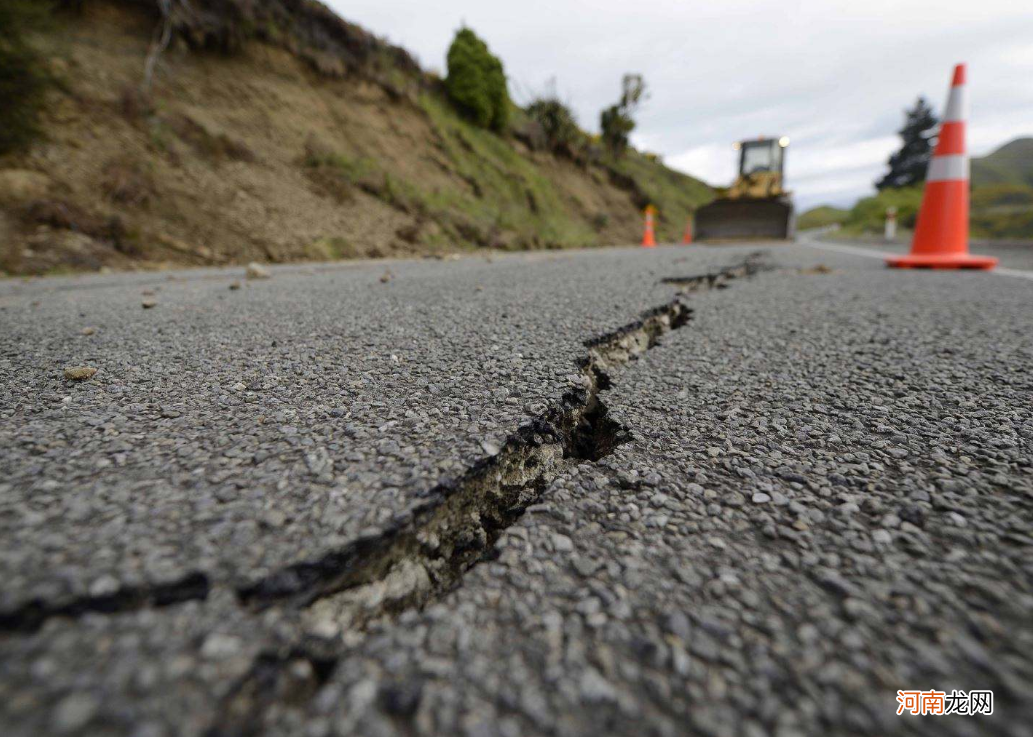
1002 191
1012 163
1002 199
821 216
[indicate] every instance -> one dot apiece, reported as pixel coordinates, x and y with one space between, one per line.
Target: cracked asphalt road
827 496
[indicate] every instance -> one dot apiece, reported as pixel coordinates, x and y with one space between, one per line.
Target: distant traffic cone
941 236
687 238
649 237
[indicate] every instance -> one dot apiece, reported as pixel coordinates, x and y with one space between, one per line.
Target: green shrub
476 82
24 77
558 124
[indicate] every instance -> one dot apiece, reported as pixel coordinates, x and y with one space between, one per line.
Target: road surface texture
697 490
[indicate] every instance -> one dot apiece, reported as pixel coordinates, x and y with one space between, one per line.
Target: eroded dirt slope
258 154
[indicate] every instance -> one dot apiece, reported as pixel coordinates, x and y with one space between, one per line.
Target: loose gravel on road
822 494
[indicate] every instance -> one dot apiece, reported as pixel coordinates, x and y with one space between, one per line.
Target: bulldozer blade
746 219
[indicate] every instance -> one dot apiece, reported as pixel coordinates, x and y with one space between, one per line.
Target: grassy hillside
821 216
1002 191
1001 205
276 131
1011 164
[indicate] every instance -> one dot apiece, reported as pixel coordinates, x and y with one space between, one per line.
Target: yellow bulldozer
756 205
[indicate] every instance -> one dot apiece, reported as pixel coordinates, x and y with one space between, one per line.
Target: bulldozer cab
764 155
761 165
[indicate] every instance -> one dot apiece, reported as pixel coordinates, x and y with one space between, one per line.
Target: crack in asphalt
31 615
425 552
294 676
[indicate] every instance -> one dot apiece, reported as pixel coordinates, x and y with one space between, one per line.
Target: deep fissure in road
424 554
427 552
427 555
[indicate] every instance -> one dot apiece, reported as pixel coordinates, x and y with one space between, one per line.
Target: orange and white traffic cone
941 236
687 238
649 237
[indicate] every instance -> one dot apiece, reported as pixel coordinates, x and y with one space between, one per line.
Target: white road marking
1013 272
853 250
872 253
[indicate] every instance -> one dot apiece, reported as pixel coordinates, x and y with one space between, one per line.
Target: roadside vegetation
476 82
351 150
1002 191
1001 187
618 121
1001 204
25 76
555 127
821 217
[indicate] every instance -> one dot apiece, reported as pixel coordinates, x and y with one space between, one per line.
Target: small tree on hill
908 165
476 81
616 121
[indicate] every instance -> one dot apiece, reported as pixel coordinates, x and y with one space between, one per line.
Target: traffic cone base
932 261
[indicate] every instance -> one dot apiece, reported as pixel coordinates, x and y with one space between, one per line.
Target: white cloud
713 163
834 75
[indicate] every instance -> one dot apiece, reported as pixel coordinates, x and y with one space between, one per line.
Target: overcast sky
833 75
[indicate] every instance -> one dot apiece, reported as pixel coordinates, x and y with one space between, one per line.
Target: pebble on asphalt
818 269
255 270
149 302
80 373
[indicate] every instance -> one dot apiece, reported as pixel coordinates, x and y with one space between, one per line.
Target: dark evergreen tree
908 165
